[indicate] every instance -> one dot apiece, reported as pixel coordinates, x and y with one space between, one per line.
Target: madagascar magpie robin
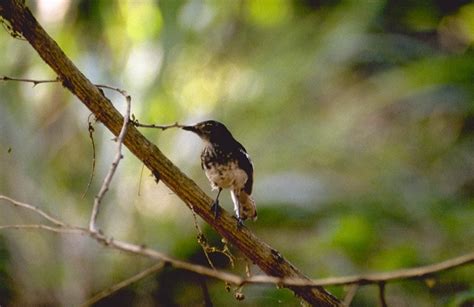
227 165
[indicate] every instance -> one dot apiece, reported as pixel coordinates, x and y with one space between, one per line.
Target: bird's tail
244 205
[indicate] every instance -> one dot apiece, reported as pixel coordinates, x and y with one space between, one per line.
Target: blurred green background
359 117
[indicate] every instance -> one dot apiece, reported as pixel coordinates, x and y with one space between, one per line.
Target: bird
227 165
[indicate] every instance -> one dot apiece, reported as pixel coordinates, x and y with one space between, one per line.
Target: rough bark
268 259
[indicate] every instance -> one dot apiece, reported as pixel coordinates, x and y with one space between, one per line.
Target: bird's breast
225 175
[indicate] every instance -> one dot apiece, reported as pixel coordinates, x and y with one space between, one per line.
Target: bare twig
139 187
120 91
350 294
383 302
202 241
205 293
162 127
207 248
108 178
125 283
67 230
91 137
34 209
35 82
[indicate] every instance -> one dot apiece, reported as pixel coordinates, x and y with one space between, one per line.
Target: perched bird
227 165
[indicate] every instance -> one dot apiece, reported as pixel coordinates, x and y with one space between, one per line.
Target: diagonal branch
268 259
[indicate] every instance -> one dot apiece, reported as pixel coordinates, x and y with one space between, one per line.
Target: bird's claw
215 208
240 223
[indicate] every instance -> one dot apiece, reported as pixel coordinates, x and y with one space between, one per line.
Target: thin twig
125 283
91 137
383 302
207 248
120 91
60 229
35 82
350 294
139 191
108 178
34 209
162 127
205 292
202 240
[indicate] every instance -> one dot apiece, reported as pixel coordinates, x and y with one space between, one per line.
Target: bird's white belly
226 176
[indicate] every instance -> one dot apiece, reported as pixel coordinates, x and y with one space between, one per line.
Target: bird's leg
215 204
240 222
237 207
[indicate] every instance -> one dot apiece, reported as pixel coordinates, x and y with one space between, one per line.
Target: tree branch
268 259
380 279
118 156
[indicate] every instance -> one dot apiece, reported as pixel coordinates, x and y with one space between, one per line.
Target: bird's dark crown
211 131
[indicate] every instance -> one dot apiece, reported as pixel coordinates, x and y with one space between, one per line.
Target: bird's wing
245 163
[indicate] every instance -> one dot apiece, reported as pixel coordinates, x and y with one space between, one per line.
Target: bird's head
211 131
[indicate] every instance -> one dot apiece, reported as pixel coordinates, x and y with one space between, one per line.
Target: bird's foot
240 222
215 208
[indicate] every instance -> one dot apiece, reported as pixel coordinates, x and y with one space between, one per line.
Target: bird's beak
190 128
